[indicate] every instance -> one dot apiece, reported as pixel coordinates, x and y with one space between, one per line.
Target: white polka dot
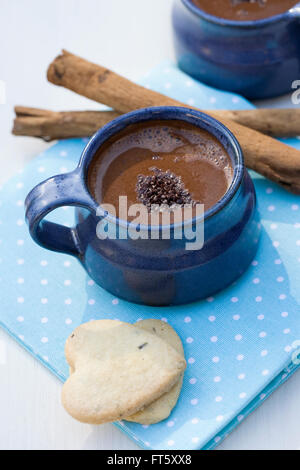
164 319
262 334
63 153
44 320
288 349
210 299
262 396
195 439
63 169
238 337
240 418
20 319
189 340
254 263
298 242
265 372
217 439
269 190
235 99
20 242
264 353
297 225
280 279
271 208
191 101
212 318
91 282
217 379
68 321
260 317
44 282
91 301
67 264
20 280
41 169
286 331
258 298
234 299
243 395
20 222
115 301
240 357
188 83
216 359
19 185
168 85
212 99
193 381
282 297
284 314
171 443
68 301
170 424
256 280
214 339
44 262
273 226
20 300
194 401
241 376
21 337
46 358
236 317
218 399
44 340
187 319
20 203
195 421
278 261
276 244
67 282
191 360
219 418
295 207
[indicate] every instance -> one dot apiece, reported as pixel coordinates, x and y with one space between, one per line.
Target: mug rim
178 113
235 23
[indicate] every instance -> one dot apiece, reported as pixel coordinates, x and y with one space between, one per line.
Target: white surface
131 37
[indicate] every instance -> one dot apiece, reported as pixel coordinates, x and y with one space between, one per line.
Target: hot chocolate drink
161 162
244 10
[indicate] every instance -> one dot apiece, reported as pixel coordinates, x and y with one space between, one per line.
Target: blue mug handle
58 191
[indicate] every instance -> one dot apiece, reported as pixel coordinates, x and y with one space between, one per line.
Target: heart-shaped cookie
161 408
118 369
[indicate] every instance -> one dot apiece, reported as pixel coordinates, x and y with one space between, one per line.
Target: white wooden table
131 37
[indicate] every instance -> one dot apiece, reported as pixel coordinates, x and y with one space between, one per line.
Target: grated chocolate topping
162 188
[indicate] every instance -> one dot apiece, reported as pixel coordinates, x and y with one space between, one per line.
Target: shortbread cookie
118 370
161 408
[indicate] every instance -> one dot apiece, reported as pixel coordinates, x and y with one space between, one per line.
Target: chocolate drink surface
245 10
161 162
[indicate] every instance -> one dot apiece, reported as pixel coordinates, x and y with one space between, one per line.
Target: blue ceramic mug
151 271
257 59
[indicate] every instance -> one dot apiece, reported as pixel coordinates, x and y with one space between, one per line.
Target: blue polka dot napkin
240 345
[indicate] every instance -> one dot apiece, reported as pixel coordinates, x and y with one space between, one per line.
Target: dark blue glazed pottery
153 272
257 59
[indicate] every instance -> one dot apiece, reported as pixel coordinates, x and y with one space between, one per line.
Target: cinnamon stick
262 153
51 125
48 124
